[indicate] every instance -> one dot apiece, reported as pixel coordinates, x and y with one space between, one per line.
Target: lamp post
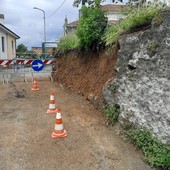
44 44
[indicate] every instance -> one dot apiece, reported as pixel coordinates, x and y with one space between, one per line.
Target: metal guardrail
23 68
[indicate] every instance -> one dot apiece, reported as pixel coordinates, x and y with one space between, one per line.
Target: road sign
37 65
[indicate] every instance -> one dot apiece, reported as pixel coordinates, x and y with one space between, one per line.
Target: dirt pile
86 74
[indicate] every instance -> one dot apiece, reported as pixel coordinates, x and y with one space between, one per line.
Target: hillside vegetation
93 34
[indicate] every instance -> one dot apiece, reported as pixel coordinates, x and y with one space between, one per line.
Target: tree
91 27
32 54
21 49
76 3
137 3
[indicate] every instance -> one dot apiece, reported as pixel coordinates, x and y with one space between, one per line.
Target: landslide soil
86 74
25 135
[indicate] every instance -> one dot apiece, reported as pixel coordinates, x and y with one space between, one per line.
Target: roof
73 24
76 23
113 7
5 29
41 47
107 8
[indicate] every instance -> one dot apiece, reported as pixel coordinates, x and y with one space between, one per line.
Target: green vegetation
113 88
23 52
76 3
92 25
92 32
152 47
135 19
112 114
68 42
156 154
158 19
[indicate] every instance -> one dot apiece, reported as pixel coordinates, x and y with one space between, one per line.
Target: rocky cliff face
142 84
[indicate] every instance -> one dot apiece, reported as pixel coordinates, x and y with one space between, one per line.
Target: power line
57 8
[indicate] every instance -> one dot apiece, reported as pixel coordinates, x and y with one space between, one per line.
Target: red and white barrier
5 62
47 61
25 62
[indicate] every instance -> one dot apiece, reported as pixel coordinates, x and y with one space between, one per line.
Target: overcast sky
22 19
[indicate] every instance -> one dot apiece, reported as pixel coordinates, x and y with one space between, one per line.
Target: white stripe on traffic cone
59 131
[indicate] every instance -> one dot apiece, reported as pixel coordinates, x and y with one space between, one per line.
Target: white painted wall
114 16
10 48
11 52
3 55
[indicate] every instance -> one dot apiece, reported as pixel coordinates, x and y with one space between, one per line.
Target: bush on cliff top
68 42
135 18
91 27
88 35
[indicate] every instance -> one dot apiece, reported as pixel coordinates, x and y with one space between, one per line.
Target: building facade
69 27
38 50
7 41
114 12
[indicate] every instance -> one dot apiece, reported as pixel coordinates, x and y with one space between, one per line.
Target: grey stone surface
142 84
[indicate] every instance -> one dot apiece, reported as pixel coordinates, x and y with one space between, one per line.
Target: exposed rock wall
142 84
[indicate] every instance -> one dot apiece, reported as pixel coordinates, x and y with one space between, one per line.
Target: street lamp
44 45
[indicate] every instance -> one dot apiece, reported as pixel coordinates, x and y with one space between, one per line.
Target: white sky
22 19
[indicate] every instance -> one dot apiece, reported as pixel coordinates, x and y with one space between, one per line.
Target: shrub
112 114
156 154
91 27
68 42
136 18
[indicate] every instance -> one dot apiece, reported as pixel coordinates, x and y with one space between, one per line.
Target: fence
23 68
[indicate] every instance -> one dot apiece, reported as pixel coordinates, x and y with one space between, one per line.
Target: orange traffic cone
59 132
52 108
35 86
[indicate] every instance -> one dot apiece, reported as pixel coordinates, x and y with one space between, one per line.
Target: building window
3 44
12 43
